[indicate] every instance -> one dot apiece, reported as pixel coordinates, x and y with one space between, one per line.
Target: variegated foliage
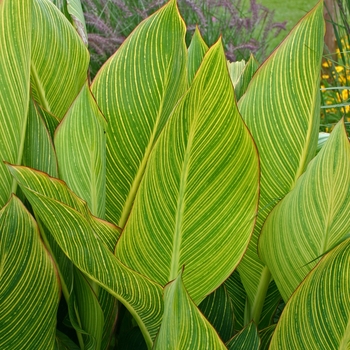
186 178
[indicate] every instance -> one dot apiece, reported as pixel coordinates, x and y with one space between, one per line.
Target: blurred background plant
335 80
244 29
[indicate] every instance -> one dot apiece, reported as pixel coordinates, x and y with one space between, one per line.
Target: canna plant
174 202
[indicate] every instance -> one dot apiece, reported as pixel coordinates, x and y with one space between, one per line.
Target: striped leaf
317 315
15 53
73 11
74 233
63 265
39 152
29 294
55 43
266 336
246 339
54 188
312 218
89 315
64 343
281 109
183 326
322 139
196 51
271 305
218 310
238 298
50 120
197 202
80 144
236 70
136 90
77 18
36 37
249 70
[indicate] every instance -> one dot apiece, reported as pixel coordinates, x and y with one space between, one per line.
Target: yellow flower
345 95
342 80
325 76
339 68
326 64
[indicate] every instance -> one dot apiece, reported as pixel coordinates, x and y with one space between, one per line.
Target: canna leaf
265 337
236 70
39 152
197 202
81 149
29 293
243 81
75 11
73 231
312 218
317 316
322 139
281 108
196 51
50 120
35 38
136 90
54 43
271 304
218 310
247 338
15 53
64 343
84 303
183 326
238 298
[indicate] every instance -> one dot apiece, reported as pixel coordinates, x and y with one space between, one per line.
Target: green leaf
136 90
64 343
236 70
183 326
322 139
39 152
281 108
73 11
50 120
77 17
271 303
29 285
89 316
196 51
15 43
246 339
238 297
55 43
197 202
218 310
265 337
317 315
311 218
246 76
109 305
81 151
54 203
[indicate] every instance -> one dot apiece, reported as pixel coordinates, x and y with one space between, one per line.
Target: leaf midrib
177 240
139 175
